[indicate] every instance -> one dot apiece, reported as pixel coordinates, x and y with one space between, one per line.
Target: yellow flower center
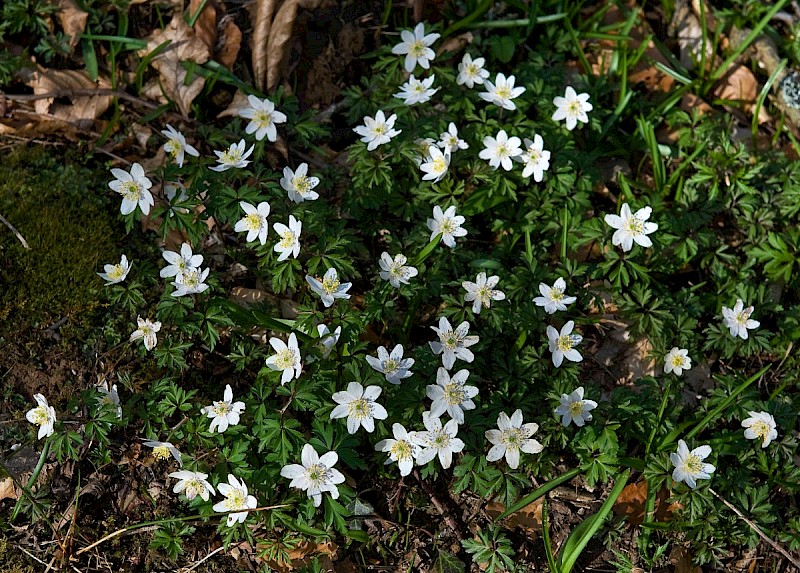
161 452
503 92
761 429
316 474
447 226
253 221
439 165
221 408
40 416
287 240
236 499
232 156
400 450
565 342
512 438
329 285
635 226
574 107
301 184
677 361
131 190
693 463
472 70
116 273
454 393
441 440
450 339
391 366
262 119
173 147
576 408
285 359
743 317
556 294
360 409
502 151
417 49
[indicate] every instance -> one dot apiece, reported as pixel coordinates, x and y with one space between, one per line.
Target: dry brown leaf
185 46
300 554
7 489
72 20
84 110
230 43
740 84
261 32
529 518
205 27
681 559
686 28
455 43
279 36
247 296
631 358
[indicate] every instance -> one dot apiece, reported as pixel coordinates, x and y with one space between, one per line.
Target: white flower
535 157
181 262
162 450
572 107
327 340
263 116
286 358
395 270
236 498
511 437
448 224
574 408
738 319
500 150
176 145
471 72
359 406
450 141
501 92
116 273
329 288
298 184
190 281
402 449
234 156
254 222
689 466
146 331
677 360
453 343
134 188
631 228
317 474
224 412
562 344
451 394
553 298
416 47
377 131
417 91
436 164
110 396
43 416
437 440
290 238
192 484
760 425
393 365
482 292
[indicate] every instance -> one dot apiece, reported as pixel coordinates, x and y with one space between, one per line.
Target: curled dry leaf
238 103
740 84
185 46
261 31
528 519
279 36
72 20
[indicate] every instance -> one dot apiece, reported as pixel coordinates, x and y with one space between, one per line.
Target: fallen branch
793 560
14 230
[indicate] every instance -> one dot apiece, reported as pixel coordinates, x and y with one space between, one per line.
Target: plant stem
32 480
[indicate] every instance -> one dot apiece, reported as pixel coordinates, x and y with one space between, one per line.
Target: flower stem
32 480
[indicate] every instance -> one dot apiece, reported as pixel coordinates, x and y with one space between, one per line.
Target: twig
32 556
14 230
197 564
793 560
79 93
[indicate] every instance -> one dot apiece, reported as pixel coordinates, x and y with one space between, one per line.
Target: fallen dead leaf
238 103
301 554
279 35
529 518
631 501
205 27
261 31
185 46
681 560
247 296
73 85
685 27
630 358
740 84
7 489
230 42
72 19
455 43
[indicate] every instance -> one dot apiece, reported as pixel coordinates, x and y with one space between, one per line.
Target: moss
61 210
